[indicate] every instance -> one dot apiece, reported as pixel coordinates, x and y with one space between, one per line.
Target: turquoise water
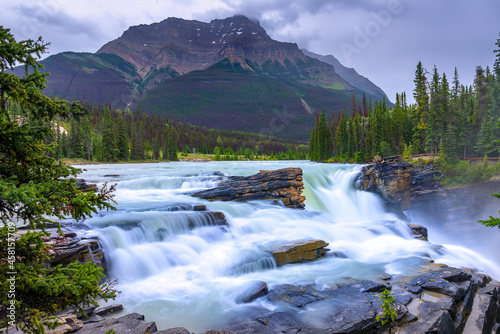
179 270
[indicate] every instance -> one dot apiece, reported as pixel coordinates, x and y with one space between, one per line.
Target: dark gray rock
283 184
447 288
107 310
92 318
253 291
176 330
419 231
199 207
82 185
128 324
433 318
295 295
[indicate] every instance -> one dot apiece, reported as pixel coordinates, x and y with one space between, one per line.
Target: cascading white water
180 269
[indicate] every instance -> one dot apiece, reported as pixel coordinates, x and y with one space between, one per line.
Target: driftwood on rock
282 184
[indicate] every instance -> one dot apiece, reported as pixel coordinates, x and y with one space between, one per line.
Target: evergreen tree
122 139
37 189
419 117
108 137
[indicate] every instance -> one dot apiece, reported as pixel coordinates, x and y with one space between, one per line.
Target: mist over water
179 269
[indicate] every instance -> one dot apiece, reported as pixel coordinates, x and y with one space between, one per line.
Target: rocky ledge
70 247
417 189
298 251
401 184
82 185
438 299
282 184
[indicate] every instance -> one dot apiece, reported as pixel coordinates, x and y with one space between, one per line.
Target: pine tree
37 189
108 137
434 131
419 117
122 139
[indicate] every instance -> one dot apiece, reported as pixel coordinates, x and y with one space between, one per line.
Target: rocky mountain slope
350 75
225 74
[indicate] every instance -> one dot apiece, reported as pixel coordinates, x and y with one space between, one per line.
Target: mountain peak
226 73
187 45
238 19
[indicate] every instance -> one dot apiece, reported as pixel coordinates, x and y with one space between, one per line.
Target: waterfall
178 266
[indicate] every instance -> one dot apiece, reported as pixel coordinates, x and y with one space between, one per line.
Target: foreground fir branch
36 189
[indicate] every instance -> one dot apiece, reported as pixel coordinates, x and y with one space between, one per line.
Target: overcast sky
382 39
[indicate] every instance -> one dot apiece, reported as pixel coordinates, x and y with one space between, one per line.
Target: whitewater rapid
179 269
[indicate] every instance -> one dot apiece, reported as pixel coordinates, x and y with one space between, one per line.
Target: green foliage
389 314
38 189
462 118
41 291
458 173
492 221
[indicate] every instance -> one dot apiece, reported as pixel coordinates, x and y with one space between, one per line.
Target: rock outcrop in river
283 184
401 184
418 189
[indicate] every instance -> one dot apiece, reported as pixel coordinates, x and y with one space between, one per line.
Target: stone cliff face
417 189
402 185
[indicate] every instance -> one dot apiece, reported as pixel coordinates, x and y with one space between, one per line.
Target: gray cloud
39 19
445 33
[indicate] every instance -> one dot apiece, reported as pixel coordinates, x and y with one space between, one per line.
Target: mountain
226 74
350 75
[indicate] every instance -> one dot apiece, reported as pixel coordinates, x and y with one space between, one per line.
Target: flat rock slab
106 310
298 251
285 184
128 324
176 330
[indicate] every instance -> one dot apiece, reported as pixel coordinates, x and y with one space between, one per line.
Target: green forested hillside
448 117
109 135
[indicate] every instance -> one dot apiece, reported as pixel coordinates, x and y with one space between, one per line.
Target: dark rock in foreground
283 184
255 290
439 299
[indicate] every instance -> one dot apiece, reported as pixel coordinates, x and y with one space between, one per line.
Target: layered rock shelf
418 189
82 185
282 184
298 251
438 299
401 184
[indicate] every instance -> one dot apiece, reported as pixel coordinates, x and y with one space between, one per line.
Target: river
178 270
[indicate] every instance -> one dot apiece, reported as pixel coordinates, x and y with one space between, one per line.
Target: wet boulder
298 251
82 185
284 184
251 292
419 231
